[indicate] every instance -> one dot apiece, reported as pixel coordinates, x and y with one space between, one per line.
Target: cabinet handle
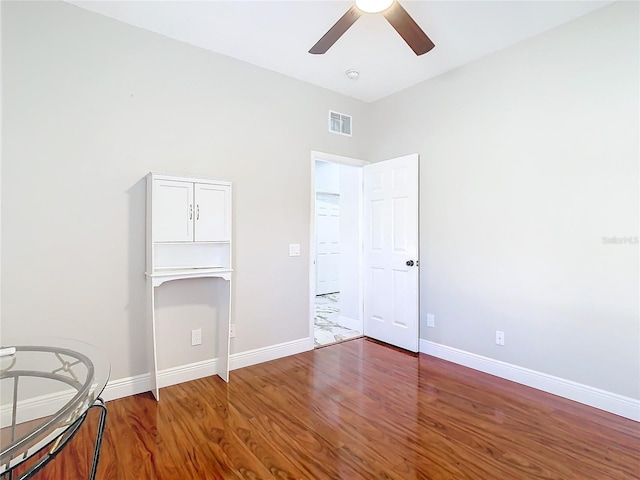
190 212
197 212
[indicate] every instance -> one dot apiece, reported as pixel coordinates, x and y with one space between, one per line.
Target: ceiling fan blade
336 31
408 29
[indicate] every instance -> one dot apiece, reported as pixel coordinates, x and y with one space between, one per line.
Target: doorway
337 249
365 264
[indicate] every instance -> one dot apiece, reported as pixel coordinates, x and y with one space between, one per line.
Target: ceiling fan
395 15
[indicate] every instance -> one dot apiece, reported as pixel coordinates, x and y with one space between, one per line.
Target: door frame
341 160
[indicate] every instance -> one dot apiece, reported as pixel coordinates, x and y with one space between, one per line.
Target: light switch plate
294 250
431 320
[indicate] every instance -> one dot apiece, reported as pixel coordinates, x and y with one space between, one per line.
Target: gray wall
529 157
90 106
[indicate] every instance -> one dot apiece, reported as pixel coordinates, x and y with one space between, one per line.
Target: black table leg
99 403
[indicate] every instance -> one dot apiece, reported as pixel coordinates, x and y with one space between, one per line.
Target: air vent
339 123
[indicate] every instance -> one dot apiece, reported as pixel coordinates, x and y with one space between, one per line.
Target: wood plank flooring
356 410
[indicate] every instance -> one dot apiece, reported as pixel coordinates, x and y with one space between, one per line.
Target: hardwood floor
355 410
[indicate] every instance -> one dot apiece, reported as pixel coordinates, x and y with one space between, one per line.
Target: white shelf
199 242
161 275
186 268
189 236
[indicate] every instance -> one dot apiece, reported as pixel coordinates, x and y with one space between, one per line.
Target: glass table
47 387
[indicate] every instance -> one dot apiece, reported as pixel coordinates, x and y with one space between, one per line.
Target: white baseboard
585 394
188 372
37 407
45 405
601 399
272 352
350 323
125 387
184 373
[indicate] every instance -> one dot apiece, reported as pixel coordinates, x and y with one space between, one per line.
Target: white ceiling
277 35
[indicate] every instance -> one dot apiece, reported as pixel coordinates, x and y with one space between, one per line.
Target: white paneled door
391 275
327 243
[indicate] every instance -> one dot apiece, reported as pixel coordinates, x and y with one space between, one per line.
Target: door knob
409 263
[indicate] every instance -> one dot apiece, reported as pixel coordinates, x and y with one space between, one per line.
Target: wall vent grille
340 123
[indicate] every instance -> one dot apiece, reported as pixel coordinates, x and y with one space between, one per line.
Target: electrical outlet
431 320
232 330
196 337
499 337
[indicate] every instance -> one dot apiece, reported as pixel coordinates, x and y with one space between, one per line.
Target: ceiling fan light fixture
392 11
373 6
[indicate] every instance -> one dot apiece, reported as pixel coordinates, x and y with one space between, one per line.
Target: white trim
587 395
184 373
187 178
45 405
350 323
610 402
188 372
169 376
125 387
333 158
272 352
37 407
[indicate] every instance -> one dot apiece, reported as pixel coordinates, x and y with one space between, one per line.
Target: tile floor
327 330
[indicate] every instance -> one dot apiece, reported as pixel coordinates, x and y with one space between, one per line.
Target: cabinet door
173 211
213 213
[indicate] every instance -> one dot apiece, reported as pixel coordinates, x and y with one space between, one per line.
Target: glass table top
46 384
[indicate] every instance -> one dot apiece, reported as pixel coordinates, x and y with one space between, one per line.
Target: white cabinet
190 225
188 236
191 212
